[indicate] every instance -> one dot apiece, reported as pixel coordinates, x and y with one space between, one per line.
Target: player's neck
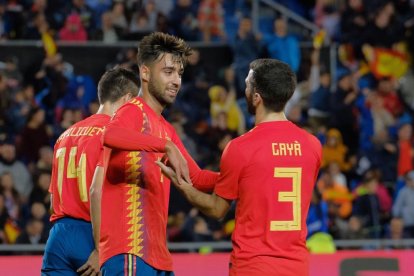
262 117
105 109
151 101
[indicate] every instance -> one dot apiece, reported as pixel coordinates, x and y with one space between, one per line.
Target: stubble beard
159 95
250 106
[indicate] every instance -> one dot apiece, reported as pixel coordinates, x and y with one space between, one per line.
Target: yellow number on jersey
293 196
72 171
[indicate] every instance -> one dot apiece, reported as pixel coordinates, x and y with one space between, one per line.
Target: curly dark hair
155 45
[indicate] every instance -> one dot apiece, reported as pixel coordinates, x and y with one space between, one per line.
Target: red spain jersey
135 194
270 172
76 154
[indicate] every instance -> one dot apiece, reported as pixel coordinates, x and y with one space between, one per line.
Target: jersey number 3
293 196
72 171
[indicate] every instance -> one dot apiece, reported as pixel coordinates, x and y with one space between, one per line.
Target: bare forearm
96 218
206 203
96 198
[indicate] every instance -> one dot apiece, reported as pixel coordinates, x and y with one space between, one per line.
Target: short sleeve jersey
76 154
135 194
270 172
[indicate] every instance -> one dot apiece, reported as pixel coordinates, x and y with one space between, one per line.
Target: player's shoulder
311 138
134 105
137 102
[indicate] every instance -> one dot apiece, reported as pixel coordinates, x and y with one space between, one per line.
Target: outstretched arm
211 205
203 180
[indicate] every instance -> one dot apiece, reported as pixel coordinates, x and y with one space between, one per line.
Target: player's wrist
169 146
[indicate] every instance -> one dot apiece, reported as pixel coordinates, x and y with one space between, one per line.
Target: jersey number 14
72 171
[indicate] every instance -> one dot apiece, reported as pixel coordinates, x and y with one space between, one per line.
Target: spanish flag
386 62
11 231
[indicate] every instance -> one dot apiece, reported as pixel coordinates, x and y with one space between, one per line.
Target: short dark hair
274 81
154 45
116 83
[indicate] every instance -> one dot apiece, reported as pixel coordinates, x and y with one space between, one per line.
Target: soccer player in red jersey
77 152
135 194
270 172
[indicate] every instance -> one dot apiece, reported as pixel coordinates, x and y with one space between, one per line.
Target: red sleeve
231 166
124 132
203 180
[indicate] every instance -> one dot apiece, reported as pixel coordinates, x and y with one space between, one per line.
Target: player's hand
91 267
177 162
169 172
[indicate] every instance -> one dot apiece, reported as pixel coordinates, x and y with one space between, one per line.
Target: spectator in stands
223 102
384 30
195 228
39 211
67 119
18 111
34 135
319 111
36 26
283 46
391 101
337 196
317 220
405 149
193 98
353 22
381 117
40 191
403 208
45 159
108 32
119 19
245 49
14 14
211 21
334 170
5 93
33 233
11 196
366 205
335 151
162 6
50 10
343 108
19 172
12 72
4 216
144 21
73 29
85 13
3 21
50 82
183 20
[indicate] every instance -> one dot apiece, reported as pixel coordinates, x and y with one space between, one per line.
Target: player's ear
128 97
257 98
144 71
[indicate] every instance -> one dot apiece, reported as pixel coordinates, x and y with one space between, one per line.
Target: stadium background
48 77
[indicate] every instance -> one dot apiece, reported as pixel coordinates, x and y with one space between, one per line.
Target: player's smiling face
165 78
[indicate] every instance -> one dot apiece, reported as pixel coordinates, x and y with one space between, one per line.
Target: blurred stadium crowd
362 114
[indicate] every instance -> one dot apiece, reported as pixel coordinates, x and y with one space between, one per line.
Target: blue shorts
69 245
130 265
